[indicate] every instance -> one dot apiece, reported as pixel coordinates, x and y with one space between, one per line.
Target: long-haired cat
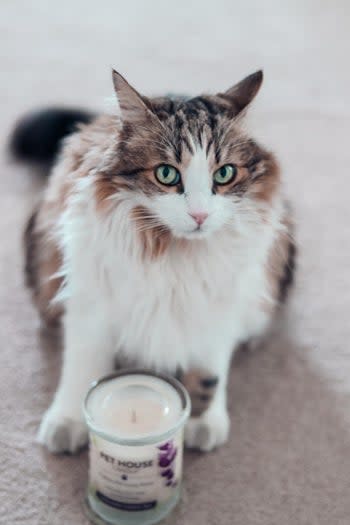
163 236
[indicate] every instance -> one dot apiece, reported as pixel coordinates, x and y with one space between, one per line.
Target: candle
136 421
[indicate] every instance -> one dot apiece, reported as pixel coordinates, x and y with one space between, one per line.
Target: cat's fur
118 255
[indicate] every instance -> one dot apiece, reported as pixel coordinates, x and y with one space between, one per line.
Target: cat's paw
207 431
62 433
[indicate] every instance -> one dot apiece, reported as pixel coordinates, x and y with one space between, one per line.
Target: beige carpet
288 459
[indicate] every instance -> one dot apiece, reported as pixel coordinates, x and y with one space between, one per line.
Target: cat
163 235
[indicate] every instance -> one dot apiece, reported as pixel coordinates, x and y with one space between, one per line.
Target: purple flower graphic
166 459
168 473
166 446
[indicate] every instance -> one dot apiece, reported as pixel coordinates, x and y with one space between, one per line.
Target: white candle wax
136 440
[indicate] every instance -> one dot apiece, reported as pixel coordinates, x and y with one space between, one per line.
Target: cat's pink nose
199 217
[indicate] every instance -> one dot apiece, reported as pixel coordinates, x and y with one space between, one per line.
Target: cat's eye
167 175
225 174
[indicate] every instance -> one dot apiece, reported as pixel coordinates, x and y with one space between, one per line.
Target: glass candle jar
136 420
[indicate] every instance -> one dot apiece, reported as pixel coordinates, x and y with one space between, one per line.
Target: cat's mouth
196 233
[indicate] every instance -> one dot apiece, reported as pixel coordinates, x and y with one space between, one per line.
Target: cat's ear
133 106
243 93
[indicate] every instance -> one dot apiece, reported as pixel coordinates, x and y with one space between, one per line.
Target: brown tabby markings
105 187
43 260
154 239
281 264
267 182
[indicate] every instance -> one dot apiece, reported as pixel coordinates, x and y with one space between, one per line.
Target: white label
134 478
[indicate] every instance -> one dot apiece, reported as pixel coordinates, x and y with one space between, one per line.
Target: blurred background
288 460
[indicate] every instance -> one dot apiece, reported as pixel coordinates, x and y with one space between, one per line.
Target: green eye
225 174
167 175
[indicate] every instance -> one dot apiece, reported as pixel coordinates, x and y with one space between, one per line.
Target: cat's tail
37 136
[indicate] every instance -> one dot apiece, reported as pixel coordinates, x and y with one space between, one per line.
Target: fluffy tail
38 135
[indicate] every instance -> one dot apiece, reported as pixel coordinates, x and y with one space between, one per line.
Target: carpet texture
288 458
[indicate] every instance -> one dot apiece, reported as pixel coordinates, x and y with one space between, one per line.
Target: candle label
134 478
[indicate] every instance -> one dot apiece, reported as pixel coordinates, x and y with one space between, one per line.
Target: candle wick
133 416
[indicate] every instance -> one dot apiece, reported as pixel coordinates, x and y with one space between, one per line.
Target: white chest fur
194 300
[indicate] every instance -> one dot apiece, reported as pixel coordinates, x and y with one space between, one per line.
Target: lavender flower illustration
166 458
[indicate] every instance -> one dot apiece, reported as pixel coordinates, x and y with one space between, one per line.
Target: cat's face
188 166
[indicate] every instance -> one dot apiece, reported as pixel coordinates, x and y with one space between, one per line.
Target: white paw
62 433
208 431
